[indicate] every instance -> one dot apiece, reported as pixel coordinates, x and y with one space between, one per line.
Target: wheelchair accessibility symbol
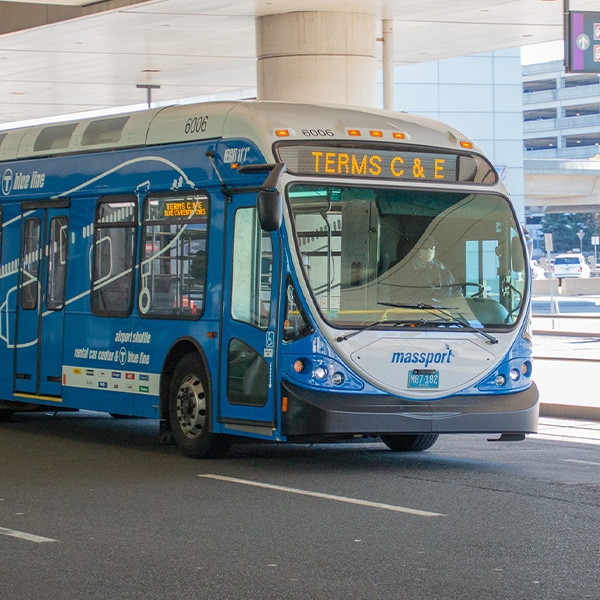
270 341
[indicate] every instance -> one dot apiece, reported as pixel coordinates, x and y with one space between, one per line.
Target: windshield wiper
418 306
452 320
347 336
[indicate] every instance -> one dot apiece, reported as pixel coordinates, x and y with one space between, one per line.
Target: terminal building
480 95
561 113
561 134
539 125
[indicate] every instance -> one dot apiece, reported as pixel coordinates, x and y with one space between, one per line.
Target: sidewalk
569 389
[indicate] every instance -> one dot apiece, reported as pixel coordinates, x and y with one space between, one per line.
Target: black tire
5 414
410 443
189 411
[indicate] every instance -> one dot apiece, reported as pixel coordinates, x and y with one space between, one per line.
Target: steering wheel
478 293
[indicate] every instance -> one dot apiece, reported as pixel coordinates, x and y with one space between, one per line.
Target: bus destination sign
182 208
369 163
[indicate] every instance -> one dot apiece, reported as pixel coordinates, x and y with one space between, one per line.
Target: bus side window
174 255
1 227
57 263
115 230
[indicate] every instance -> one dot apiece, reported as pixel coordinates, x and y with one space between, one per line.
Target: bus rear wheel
189 412
5 414
409 443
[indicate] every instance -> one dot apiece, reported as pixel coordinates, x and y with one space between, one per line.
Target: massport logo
423 358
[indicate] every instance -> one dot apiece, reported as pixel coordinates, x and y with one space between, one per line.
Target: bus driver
432 273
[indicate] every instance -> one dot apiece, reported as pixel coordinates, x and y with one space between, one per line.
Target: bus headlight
337 378
320 372
512 375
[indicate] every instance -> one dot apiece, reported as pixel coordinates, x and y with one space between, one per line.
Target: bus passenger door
41 299
249 337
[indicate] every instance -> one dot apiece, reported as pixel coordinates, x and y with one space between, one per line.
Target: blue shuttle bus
278 271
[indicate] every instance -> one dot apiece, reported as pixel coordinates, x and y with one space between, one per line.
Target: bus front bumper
321 415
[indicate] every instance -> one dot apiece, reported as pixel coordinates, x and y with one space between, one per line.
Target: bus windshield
372 255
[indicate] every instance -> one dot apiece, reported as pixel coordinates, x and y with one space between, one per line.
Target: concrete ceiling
68 56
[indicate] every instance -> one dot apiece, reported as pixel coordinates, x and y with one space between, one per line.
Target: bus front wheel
189 412
409 443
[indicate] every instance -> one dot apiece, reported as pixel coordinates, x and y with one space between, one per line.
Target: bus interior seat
488 311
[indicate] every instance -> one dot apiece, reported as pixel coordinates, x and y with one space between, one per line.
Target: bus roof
261 122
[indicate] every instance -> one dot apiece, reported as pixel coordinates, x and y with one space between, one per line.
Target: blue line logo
7 182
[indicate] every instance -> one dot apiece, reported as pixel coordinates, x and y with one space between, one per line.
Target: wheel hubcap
191 406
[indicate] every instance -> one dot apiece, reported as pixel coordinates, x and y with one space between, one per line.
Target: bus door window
114 252
247 370
39 321
31 264
174 256
252 271
246 375
1 226
57 263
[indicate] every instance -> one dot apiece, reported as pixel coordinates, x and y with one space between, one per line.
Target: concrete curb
568 411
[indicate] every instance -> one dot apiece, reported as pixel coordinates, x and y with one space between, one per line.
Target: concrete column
387 39
326 57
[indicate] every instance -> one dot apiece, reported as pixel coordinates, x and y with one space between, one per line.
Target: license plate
423 378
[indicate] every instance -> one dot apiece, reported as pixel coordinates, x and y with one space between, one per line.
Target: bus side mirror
516 255
269 205
528 242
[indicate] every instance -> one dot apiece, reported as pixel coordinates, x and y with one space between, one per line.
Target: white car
570 265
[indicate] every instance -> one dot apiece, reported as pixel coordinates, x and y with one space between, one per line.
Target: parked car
537 271
570 265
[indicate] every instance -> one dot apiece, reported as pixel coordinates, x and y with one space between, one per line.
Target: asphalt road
118 516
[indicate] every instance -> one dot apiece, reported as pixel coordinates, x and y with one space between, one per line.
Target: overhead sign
583 47
369 163
373 163
395 162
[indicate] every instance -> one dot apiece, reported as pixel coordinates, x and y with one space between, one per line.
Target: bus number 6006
317 133
196 124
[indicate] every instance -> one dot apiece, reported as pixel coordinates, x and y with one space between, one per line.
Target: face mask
426 254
